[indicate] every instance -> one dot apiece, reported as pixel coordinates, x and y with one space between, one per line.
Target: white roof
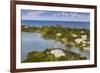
57 52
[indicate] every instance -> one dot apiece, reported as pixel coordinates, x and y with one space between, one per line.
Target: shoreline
78 38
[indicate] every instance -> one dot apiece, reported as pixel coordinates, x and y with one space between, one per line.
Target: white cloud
56 16
35 12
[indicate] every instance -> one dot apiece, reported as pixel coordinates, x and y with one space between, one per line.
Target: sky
54 15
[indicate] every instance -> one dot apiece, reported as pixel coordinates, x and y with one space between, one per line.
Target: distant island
71 37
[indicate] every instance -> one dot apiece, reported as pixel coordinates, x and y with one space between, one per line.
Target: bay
33 41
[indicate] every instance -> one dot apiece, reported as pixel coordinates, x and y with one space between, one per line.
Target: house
57 52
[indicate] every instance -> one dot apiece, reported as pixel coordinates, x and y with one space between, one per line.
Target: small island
51 54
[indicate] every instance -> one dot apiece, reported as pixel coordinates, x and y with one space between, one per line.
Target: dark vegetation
45 56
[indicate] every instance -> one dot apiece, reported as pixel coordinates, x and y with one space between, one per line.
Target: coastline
72 37
68 36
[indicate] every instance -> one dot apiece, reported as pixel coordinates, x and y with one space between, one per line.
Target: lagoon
33 41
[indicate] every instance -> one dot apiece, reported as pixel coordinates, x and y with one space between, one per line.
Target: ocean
69 24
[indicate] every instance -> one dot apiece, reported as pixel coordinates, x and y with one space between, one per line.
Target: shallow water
35 42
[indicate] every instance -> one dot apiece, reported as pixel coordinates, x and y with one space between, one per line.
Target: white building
57 52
